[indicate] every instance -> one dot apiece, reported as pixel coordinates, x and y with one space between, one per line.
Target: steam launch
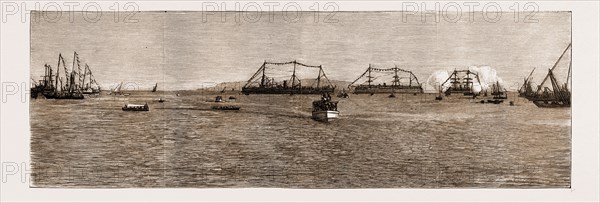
461 82
71 84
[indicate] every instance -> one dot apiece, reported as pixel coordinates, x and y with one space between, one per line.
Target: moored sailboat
154 88
526 89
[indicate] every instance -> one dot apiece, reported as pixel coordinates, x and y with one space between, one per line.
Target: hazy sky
181 51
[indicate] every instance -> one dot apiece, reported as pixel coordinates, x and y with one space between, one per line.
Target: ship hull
226 108
260 90
325 115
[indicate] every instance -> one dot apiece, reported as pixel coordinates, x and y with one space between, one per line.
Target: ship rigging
264 81
407 83
456 86
559 95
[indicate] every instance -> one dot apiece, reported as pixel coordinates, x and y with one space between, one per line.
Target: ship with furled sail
263 82
461 82
402 81
325 109
71 84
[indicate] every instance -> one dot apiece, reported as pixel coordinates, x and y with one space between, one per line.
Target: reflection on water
379 142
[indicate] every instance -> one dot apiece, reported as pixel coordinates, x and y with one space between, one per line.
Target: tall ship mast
154 88
265 82
498 91
559 95
401 81
526 89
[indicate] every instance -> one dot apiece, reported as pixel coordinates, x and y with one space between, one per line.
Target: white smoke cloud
435 80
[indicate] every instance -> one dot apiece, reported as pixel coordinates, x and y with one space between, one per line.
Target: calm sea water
379 142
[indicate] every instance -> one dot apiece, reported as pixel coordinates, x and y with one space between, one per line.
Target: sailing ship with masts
263 83
526 89
69 84
461 82
117 89
155 87
559 95
498 92
400 83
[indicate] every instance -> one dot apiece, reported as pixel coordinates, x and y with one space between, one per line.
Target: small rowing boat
135 107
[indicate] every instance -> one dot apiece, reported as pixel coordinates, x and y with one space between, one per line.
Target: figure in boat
135 107
72 84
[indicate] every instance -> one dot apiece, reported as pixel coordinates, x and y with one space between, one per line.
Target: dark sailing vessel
154 88
559 95
135 107
75 83
464 87
343 94
439 97
396 86
526 90
90 86
117 90
261 83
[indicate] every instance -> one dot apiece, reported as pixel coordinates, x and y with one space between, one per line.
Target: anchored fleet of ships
74 83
